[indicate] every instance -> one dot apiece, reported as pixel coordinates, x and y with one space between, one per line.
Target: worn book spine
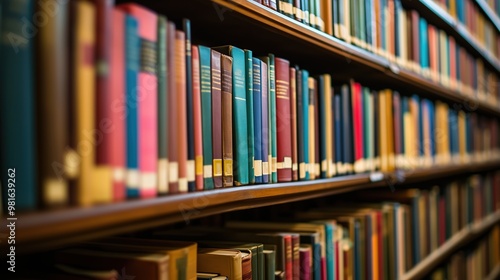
227 120
283 121
197 119
216 118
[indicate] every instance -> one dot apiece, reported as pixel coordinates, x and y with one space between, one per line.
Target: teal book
362 20
206 112
269 60
250 117
186 26
368 131
17 105
240 129
424 44
305 121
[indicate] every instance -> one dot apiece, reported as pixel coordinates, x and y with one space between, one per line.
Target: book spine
329 123
305 120
293 120
266 155
322 104
311 132
197 119
172 112
272 119
216 118
52 112
257 117
317 159
118 99
182 126
357 127
227 120
239 113
162 105
132 68
337 111
206 112
300 126
250 115
347 129
17 104
191 164
283 125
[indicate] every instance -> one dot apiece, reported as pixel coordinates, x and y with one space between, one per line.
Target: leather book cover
305 258
300 127
216 118
181 118
311 131
266 151
103 104
118 96
147 107
227 119
257 119
238 113
162 105
17 106
206 111
197 119
172 117
383 134
190 164
317 159
293 120
249 93
52 111
283 120
272 117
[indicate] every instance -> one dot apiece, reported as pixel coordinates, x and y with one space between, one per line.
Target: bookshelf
489 12
495 274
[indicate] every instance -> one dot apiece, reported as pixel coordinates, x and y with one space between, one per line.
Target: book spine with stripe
206 112
197 119
257 117
216 118
162 105
227 119
172 112
283 120
250 115
182 126
266 152
293 120
190 164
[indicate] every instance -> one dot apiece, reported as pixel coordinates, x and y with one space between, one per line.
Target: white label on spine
207 171
132 178
173 174
324 165
302 170
265 168
257 165
190 170
148 180
280 165
288 162
183 185
295 167
118 174
163 175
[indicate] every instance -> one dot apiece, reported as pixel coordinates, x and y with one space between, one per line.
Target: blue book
266 152
132 45
460 10
305 121
250 116
330 246
206 112
337 111
397 27
368 21
317 262
17 106
257 119
322 123
424 44
348 152
382 31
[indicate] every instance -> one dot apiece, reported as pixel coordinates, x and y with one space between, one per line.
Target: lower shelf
457 241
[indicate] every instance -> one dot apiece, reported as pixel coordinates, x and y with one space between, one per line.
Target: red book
283 120
181 133
147 99
293 120
173 152
104 26
357 120
198 137
117 136
216 118
305 263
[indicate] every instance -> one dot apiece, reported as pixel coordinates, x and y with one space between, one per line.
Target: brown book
293 120
222 261
283 120
227 119
52 109
173 152
415 40
216 118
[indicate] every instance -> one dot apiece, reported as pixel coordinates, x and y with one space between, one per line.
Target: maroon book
305 263
415 36
216 118
283 120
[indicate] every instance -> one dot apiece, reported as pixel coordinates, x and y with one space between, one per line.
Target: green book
250 126
269 262
368 128
206 112
269 60
361 21
240 123
162 106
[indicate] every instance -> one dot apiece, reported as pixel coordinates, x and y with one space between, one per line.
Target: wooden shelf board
490 14
54 228
456 242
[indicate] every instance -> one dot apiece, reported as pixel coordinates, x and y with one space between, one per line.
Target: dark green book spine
362 20
17 106
250 126
162 105
272 118
305 117
206 112
189 103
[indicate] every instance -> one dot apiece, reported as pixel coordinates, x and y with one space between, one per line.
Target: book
337 115
172 118
311 132
197 119
190 165
221 261
257 119
271 87
227 120
283 120
75 273
304 170
216 118
162 105
206 276
265 140
250 114
206 111
293 120
181 118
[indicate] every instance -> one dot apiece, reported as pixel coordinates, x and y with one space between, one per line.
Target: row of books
391 30
181 117
494 5
476 261
375 234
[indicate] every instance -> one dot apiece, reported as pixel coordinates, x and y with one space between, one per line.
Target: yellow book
462 137
375 249
345 29
94 183
222 261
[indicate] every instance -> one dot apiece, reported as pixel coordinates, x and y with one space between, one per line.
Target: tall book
311 134
257 119
197 119
347 129
283 120
272 116
190 168
93 183
424 47
118 96
330 133
250 116
357 118
265 143
172 122
216 118
293 120
162 105
239 113
322 104
337 120
147 98
17 105
304 166
182 126
206 112
317 159
52 111
227 119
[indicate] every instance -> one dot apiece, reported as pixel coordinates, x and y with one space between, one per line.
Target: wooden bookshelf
442 18
494 274
52 229
490 14
460 239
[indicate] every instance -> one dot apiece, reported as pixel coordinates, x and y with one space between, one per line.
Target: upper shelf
51 229
489 13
